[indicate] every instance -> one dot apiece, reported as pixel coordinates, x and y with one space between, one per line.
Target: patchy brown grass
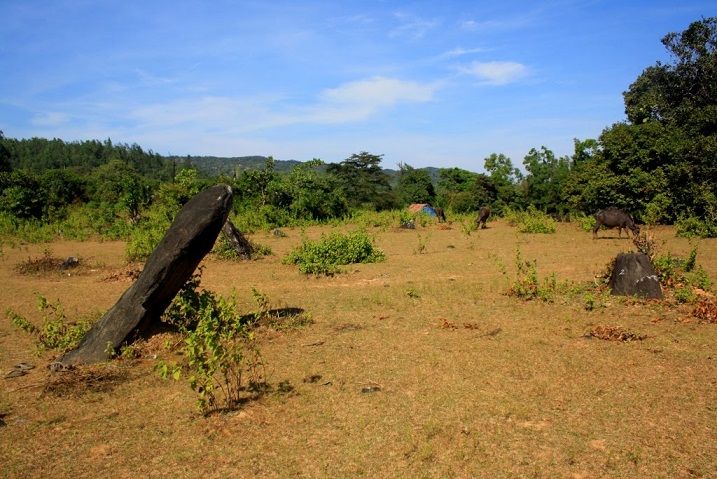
374 385
614 333
706 310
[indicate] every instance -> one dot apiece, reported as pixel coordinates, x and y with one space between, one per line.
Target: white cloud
497 73
379 92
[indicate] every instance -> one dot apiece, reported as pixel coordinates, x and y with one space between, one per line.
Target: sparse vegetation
55 333
223 364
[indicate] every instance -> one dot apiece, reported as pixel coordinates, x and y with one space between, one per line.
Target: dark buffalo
615 218
483 215
441 213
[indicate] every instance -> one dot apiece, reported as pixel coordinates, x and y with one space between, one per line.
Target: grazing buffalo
483 215
615 218
440 212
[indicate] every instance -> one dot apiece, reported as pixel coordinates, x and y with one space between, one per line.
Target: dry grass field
419 366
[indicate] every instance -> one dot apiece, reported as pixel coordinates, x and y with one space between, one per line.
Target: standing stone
634 275
189 238
240 244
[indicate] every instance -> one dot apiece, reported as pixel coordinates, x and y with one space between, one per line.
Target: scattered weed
422 243
55 333
527 286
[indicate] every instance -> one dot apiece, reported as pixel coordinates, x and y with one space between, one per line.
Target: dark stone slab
634 275
189 238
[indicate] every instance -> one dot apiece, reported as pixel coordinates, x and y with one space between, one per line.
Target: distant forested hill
216 165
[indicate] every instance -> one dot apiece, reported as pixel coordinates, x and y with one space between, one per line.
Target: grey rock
634 275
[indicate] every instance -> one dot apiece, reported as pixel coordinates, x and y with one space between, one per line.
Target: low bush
585 222
695 227
684 275
531 220
223 364
326 255
225 250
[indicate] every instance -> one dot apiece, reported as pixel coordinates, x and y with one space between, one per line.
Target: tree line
660 164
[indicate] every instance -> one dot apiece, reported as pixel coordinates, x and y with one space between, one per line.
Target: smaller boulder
634 275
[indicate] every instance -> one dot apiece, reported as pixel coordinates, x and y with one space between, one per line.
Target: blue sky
425 83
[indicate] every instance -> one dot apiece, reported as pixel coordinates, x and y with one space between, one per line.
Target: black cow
441 213
483 215
615 218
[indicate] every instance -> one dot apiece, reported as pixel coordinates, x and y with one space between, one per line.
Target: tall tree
4 155
414 185
665 154
506 179
544 183
363 181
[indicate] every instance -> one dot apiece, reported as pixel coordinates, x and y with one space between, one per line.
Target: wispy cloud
50 119
412 26
497 73
459 52
350 102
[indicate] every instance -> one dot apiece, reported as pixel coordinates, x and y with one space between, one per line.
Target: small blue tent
422 208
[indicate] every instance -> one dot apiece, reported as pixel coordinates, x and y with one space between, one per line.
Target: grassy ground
464 380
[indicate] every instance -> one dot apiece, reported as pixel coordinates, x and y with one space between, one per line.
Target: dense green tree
464 191
363 181
256 185
314 195
118 185
506 180
62 188
21 194
661 162
414 186
4 155
545 179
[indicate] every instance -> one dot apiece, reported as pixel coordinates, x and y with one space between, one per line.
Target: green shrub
685 295
695 227
675 271
531 220
149 231
328 253
585 222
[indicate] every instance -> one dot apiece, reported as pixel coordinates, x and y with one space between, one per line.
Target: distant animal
441 213
483 215
613 217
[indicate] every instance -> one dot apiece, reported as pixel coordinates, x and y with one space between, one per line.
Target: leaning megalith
633 275
189 238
